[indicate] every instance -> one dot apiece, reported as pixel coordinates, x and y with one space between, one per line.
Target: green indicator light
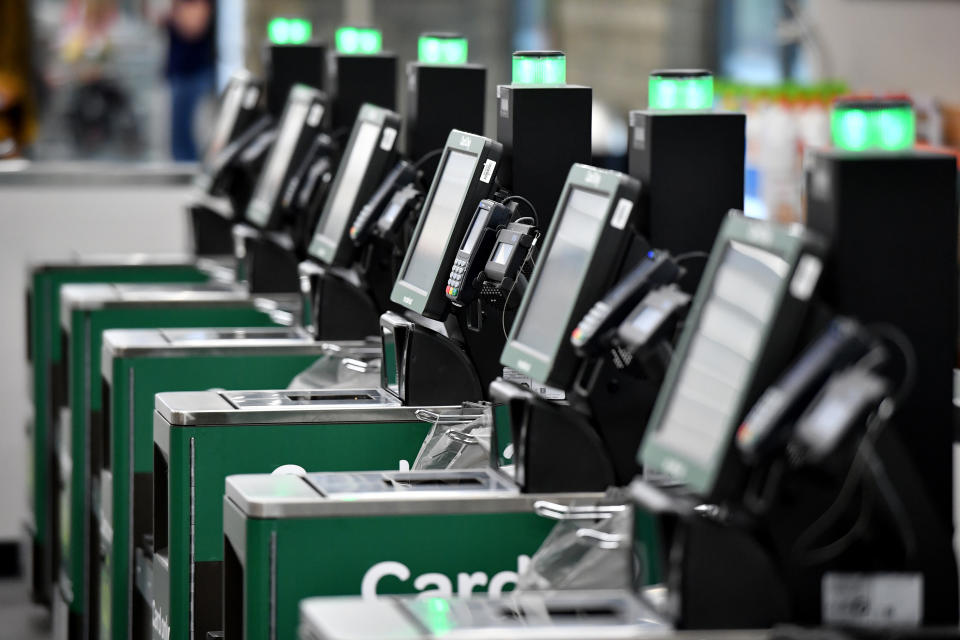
358 40
438 612
437 48
851 129
300 31
861 125
681 89
897 128
278 31
289 31
539 67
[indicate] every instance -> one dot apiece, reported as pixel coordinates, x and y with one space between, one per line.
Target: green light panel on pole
863 125
681 89
442 48
358 40
539 67
289 31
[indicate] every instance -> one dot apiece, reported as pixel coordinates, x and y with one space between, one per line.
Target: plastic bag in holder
591 547
456 442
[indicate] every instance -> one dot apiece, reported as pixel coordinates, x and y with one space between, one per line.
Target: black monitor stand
749 545
425 362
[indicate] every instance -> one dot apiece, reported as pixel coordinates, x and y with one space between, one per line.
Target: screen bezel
298 94
236 87
520 356
659 456
324 248
406 293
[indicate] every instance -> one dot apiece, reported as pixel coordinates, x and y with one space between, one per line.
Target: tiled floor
20 619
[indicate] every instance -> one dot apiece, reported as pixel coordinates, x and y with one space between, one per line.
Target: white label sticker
251 97
544 391
639 138
805 277
621 214
389 136
876 600
316 114
487 172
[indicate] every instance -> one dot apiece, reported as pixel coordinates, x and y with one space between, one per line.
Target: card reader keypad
455 282
588 325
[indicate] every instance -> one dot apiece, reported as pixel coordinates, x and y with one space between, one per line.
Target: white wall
910 45
41 223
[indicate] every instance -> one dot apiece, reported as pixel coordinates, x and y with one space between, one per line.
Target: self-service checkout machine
584 248
240 105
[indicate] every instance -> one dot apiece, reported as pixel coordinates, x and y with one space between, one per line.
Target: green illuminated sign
681 89
539 67
358 40
442 48
289 30
873 125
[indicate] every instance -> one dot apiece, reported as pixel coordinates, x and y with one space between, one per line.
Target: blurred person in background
17 107
99 111
190 69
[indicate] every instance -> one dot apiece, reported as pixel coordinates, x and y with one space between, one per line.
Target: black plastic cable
426 157
692 255
533 209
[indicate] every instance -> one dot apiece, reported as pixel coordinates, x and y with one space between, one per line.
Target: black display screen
225 120
501 253
548 311
269 184
479 222
714 375
425 261
336 215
